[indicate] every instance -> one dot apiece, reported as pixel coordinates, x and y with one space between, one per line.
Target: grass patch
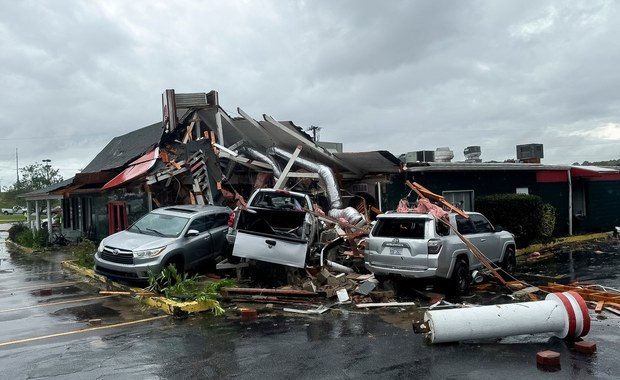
15 218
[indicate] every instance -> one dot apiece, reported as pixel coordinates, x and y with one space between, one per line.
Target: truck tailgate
270 248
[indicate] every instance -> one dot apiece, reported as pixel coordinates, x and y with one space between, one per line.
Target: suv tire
509 263
459 282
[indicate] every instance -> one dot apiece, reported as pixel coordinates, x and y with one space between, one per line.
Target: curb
559 241
168 306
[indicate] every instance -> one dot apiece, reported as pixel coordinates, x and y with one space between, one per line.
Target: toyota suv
184 235
421 247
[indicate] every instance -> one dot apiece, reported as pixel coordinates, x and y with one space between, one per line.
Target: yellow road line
56 303
81 331
42 286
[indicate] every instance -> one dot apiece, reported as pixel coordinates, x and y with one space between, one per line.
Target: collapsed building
199 154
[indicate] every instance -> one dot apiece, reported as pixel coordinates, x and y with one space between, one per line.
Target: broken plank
319 310
384 304
599 306
277 292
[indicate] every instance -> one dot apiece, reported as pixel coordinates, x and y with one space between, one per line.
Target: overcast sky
392 75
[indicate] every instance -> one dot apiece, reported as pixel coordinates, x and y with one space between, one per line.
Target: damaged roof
126 148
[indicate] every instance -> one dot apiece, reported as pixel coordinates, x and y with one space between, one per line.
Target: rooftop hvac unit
530 152
472 154
420 156
443 154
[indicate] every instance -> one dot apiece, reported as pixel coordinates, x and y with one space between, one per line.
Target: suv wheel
509 263
459 282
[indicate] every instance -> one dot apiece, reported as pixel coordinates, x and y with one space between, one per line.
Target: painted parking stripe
82 331
55 303
42 286
25 274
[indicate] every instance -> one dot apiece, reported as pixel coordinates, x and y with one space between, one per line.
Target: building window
579 201
463 199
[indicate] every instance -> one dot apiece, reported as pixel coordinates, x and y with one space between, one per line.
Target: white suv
419 246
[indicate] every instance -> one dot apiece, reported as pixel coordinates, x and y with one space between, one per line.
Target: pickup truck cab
422 247
14 210
274 227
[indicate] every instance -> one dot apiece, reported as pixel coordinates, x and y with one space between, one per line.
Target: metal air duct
325 172
259 156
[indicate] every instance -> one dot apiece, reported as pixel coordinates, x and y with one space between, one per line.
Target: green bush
84 253
25 238
526 216
41 238
23 235
15 230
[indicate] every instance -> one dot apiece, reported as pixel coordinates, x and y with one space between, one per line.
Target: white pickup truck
14 210
274 227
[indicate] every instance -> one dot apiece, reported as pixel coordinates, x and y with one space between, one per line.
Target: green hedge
526 216
22 235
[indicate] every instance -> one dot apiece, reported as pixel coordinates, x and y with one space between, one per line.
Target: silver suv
184 235
419 246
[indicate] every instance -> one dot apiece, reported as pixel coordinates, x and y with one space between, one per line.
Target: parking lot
56 324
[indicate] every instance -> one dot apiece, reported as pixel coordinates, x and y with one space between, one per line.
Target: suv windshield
159 225
412 228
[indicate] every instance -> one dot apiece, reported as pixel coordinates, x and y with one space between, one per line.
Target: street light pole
47 169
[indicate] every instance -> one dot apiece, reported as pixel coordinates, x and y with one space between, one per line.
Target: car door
486 239
217 225
196 247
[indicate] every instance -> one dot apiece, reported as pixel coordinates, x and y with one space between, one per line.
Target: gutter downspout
379 195
570 204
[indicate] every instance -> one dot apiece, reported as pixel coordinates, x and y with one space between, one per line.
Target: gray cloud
398 75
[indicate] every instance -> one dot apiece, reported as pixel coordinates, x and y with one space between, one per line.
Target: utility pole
47 169
315 132
17 165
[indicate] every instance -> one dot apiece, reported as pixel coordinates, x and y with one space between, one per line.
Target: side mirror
498 228
192 232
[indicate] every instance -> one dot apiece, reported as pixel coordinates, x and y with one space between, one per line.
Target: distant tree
35 177
606 163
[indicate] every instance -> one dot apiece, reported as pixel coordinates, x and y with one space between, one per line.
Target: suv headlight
101 245
147 253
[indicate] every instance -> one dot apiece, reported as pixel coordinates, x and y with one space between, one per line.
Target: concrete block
585 347
337 281
548 359
323 276
247 312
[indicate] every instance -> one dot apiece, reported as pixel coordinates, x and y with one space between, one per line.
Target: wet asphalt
54 324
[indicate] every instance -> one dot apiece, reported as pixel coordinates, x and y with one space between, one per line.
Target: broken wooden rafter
583 290
425 193
157 177
287 168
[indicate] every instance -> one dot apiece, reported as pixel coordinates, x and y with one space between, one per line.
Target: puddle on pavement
88 312
65 290
589 262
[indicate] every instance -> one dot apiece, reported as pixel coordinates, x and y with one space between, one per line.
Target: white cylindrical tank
563 314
